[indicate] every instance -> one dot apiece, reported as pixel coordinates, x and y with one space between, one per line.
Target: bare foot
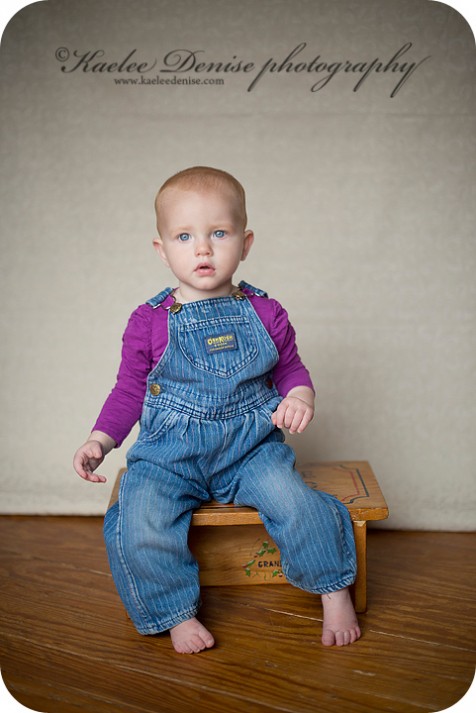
190 637
340 626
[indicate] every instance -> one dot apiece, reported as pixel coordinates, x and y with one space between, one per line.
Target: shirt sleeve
290 371
123 407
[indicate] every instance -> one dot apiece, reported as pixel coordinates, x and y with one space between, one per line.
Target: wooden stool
232 546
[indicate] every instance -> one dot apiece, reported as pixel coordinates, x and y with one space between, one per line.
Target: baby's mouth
204 269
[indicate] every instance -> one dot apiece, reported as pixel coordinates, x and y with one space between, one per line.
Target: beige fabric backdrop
362 204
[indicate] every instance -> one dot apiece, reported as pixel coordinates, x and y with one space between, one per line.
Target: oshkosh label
220 343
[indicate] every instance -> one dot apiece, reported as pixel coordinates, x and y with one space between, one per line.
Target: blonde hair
203 178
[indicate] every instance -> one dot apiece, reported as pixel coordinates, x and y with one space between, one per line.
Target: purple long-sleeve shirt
145 340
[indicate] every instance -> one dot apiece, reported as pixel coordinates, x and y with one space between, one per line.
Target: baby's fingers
86 473
87 459
95 478
301 422
278 416
291 416
284 415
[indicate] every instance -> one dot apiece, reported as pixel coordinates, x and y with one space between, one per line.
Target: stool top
352 482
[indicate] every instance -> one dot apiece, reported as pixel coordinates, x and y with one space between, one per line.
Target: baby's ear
159 248
247 243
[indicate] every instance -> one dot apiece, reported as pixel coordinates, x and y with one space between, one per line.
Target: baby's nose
203 246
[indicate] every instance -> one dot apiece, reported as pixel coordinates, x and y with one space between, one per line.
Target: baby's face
202 240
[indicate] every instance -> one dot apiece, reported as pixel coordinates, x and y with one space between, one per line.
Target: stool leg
360 585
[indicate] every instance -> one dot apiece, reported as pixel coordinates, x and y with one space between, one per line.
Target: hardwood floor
68 647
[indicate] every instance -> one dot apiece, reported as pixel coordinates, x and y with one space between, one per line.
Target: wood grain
67 647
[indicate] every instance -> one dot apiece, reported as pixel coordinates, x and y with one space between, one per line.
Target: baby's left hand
294 414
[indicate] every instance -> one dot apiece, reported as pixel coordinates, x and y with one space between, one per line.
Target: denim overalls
206 431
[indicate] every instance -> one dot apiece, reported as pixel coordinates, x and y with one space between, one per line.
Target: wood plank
67 646
360 584
282 675
123 685
238 627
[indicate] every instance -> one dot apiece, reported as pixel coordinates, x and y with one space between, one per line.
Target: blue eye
183 237
219 233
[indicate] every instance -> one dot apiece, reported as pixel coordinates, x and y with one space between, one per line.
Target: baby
213 373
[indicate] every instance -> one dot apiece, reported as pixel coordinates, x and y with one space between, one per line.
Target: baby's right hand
86 460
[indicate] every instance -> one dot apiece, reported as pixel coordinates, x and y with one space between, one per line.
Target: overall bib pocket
222 347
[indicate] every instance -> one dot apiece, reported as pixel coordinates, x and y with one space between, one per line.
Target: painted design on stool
261 565
356 484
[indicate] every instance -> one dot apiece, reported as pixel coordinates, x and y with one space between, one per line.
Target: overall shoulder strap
161 297
255 290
